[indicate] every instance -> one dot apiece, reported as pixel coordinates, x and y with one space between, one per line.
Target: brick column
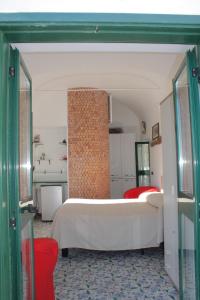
88 144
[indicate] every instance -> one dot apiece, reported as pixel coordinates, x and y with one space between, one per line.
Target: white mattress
120 224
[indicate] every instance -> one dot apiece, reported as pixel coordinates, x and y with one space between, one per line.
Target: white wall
116 6
123 116
52 167
156 165
153 117
170 189
135 79
49 109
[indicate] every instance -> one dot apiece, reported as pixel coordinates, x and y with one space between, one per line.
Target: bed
106 224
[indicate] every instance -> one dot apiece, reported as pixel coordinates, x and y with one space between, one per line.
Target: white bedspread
119 224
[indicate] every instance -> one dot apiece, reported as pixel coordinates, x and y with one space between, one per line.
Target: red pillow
135 192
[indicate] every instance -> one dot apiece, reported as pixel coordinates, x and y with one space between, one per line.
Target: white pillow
153 198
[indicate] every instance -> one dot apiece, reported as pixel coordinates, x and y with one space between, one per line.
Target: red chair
45 258
135 192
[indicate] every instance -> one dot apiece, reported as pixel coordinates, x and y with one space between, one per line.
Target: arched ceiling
139 80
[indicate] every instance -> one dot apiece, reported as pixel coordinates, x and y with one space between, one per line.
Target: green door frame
71 27
5 247
89 27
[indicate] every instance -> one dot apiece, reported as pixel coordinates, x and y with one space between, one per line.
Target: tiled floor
120 275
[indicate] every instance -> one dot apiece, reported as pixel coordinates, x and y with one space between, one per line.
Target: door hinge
196 73
12 71
13 222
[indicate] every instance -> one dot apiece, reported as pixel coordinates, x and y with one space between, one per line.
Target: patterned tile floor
116 275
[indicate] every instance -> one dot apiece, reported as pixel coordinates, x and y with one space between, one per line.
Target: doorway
142 163
9 35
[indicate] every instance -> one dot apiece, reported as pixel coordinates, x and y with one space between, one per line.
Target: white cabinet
64 192
128 155
115 154
119 186
51 199
37 192
116 188
128 183
122 164
170 190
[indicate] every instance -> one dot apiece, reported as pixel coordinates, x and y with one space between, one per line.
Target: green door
16 247
6 291
187 114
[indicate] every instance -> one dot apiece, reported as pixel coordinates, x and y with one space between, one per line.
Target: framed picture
155 131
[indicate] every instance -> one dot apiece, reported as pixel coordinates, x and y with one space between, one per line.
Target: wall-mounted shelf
39 160
50 172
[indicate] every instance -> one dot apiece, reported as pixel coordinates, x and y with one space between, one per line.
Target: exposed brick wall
88 144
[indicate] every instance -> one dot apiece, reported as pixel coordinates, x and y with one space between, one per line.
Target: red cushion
46 253
135 192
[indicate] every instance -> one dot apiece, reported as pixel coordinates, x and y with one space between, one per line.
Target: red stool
45 256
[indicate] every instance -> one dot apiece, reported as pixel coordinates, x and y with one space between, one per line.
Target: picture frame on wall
155 131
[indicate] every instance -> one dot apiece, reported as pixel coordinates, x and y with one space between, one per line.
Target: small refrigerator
51 199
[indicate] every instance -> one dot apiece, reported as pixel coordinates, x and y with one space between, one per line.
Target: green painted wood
190 208
189 211
83 27
5 253
13 174
198 54
195 127
197 173
10 246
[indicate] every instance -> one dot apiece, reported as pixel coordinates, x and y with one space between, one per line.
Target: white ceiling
139 80
101 47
